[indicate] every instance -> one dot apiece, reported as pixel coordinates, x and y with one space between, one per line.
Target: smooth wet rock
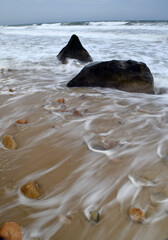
130 76
136 214
21 121
75 50
31 190
11 231
9 142
94 216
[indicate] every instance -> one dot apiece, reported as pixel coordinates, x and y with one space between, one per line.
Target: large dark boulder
75 50
130 76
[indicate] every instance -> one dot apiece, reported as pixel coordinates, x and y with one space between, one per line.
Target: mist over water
111 158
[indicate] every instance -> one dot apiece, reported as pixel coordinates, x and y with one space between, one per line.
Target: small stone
11 90
11 231
136 214
94 216
21 121
65 219
77 113
109 144
61 100
99 147
60 110
31 190
9 142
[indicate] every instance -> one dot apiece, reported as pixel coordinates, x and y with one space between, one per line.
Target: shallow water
111 158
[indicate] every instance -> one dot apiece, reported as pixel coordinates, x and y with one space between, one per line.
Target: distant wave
74 23
131 23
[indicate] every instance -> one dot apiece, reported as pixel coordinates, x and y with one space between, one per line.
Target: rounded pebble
9 142
21 121
31 190
61 100
136 214
11 231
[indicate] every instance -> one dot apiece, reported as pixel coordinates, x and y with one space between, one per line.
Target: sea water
112 157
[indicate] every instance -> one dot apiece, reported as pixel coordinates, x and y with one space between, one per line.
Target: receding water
112 157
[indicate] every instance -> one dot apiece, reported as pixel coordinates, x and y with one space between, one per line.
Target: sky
42 11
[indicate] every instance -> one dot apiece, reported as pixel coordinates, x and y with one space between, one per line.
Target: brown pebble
77 113
9 142
11 90
61 100
11 231
94 216
21 121
136 214
31 190
60 110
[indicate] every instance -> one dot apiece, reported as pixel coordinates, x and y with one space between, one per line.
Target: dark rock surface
1 238
75 50
130 76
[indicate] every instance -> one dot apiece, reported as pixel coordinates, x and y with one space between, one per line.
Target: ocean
109 158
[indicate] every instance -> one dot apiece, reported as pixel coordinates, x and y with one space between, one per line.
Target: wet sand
112 157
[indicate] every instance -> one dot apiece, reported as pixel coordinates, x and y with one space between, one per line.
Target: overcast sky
39 11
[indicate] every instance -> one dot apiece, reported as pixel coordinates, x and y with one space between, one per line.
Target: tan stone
31 190
11 231
61 100
21 121
9 142
11 90
136 214
77 113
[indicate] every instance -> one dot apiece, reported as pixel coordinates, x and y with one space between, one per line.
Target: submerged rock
11 231
136 214
75 50
31 190
130 76
9 142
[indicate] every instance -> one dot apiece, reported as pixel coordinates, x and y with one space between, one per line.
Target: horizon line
83 21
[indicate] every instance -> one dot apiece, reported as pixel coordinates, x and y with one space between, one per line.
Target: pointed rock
130 76
75 50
